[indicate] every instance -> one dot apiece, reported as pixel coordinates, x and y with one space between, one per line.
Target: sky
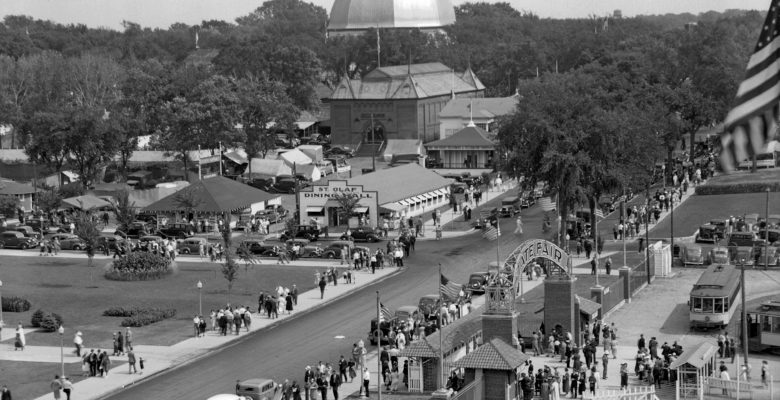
163 13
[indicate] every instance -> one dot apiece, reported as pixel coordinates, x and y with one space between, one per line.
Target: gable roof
470 136
471 78
85 202
400 71
9 187
483 107
215 195
495 354
697 356
402 182
588 306
265 167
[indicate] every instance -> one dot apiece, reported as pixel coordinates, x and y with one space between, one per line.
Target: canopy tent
267 168
85 202
295 156
310 171
212 195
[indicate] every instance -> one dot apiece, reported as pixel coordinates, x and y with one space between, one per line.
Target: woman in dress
20 340
519 229
288 303
555 392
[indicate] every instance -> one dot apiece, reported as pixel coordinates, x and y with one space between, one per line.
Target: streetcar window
725 304
718 305
697 304
775 325
707 305
766 323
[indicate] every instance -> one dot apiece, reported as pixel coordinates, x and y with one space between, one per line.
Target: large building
355 17
402 102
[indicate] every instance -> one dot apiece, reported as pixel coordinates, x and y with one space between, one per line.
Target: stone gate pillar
559 301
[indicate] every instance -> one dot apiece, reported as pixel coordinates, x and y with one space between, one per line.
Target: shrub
738 188
15 304
139 266
109 176
140 316
37 317
51 322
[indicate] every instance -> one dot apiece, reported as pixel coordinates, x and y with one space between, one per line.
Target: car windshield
695 251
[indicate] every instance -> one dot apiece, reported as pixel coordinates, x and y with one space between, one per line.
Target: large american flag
752 122
449 289
546 204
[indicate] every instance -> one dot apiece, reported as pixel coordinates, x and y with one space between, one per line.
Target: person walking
131 361
67 387
20 341
56 387
78 342
5 393
366 382
322 285
604 363
105 364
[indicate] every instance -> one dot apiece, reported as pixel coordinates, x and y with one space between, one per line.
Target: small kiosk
693 368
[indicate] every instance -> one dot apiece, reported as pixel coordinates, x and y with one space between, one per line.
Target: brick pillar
501 326
597 294
559 304
575 333
625 275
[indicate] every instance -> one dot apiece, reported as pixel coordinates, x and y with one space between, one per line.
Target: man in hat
307 377
78 342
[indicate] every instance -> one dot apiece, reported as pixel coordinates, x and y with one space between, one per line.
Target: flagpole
625 225
498 245
200 172
441 348
596 245
378 349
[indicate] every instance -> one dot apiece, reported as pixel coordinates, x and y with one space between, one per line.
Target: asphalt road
282 352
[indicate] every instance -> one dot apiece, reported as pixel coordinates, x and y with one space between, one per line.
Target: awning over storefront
440 192
418 199
405 202
393 206
314 209
361 210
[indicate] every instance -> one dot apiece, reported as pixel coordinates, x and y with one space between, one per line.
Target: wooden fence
632 393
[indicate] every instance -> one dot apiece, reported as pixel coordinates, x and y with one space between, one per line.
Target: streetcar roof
718 280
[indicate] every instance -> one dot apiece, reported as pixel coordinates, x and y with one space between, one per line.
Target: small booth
494 368
662 258
693 368
468 148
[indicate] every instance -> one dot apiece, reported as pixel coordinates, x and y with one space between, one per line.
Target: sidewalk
158 359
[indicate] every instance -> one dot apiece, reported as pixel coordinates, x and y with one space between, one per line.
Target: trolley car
715 297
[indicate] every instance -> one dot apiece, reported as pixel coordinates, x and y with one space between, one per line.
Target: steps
367 149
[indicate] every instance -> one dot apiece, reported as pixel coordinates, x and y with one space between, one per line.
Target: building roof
85 202
767 305
495 354
419 348
10 188
588 306
371 14
268 168
468 137
481 107
403 147
295 156
697 356
414 81
213 195
402 182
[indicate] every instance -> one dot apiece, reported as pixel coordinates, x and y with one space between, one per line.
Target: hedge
49 322
139 266
140 316
15 304
738 188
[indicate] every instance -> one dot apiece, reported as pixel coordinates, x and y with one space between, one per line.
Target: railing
728 387
472 391
632 393
415 378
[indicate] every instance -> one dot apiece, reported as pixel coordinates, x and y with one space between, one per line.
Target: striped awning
404 202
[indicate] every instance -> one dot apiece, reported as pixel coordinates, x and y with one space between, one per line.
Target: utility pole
766 232
744 323
373 143
378 349
647 234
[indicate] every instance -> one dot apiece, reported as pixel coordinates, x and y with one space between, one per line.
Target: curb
243 338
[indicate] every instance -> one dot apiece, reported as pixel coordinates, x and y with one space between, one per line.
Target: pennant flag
449 289
599 213
492 233
384 313
752 121
547 204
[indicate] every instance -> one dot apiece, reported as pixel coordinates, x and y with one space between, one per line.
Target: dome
356 15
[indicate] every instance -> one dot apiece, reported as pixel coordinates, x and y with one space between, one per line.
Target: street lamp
744 320
61 330
200 301
1 305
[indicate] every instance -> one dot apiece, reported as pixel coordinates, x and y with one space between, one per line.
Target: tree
230 266
48 200
125 210
90 141
347 204
87 230
8 205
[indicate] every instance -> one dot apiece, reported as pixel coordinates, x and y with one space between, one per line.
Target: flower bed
139 266
140 316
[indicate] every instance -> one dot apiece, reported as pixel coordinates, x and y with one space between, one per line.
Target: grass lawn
761 176
64 286
698 210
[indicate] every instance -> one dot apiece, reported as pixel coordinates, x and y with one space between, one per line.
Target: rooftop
402 182
485 107
495 354
212 195
468 137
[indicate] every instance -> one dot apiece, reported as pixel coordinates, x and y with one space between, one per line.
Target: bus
715 297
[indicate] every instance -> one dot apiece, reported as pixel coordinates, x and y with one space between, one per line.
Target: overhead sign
531 249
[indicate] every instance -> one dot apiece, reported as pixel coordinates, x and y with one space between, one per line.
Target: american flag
384 313
449 289
492 233
599 213
752 121
547 204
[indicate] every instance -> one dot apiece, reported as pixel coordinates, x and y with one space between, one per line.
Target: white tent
295 156
310 171
262 167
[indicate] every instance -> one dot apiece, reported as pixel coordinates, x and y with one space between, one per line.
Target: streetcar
715 297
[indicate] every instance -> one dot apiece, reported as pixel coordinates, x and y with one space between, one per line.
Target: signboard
531 249
332 191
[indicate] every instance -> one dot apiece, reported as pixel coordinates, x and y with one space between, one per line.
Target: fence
637 279
472 391
633 393
613 295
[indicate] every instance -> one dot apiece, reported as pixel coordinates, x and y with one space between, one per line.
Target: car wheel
185 251
76 247
2 245
331 256
23 246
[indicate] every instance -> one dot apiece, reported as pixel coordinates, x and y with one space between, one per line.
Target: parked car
407 314
719 255
339 151
175 231
741 254
771 256
308 232
477 282
285 186
458 187
38 225
271 214
364 234
692 254
16 240
709 233
336 247
742 239
259 389
774 235
260 183
260 248
108 241
69 241
509 207
429 305
384 329
191 245
28 231
145 241
137 229
306 249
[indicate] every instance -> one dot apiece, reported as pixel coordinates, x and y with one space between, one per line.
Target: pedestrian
764 372
366 382
288 300
128 337
19 341
105 364
131 361
141 364
5 393
294 293
56 386
78 342
322 285
608 265
604 363
67 387
335 382
593 265
120 343
519 227
623 376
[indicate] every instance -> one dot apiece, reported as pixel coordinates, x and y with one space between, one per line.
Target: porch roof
495 354
470 137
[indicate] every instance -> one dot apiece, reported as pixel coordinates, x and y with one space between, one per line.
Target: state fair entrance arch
525 254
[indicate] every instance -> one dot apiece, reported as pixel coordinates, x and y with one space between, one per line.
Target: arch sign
530 250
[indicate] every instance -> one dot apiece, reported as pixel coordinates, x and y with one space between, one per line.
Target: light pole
61 330
200 302
1 306
766 235
744 322
373 156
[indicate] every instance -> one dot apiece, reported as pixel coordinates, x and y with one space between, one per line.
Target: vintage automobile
429 305
308 232
175 231
260 248
742 254
709 233
365 234
306 249
108 241
191 245
272 214
718 255
336 247
69 241
259 389
145 241
477 282
16 240
384 331
691 254
407 314
771 258
742 239
774 235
